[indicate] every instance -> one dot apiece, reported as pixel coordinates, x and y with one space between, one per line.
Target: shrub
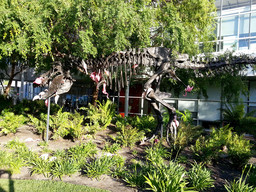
144 123
6 103
223 141
239 185
252 176
81 152
99 116
186 116
239 150
103 165
199 177
208 149
241 121
38 123
34 108
111 148
61 167
11 161
64 124
59 124
10 122
135 176
157 154
15 144
187 134
40 166
167 178
76 129
128 136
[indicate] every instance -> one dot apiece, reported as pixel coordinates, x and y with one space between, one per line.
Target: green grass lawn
9 185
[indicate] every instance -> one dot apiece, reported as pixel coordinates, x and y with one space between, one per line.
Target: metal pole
126 106
142 106
21 87
48 119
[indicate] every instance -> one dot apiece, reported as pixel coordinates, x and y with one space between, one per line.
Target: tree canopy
36 32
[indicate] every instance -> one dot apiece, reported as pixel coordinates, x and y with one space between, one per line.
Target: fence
203 110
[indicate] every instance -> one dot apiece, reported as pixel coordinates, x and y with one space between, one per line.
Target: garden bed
221 171
25 134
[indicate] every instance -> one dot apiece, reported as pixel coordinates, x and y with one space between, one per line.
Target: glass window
243 44
252 44
244 25
229 45
253 25
217 29
218 6
236 5
244 32
229 27
253 4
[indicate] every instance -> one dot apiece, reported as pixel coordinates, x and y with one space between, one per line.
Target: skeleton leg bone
154 99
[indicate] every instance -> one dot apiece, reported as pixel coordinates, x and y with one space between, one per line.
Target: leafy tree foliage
36 32
23 36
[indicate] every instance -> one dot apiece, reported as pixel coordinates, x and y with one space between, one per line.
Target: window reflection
244 44
253 25
236 26
232 5
229 45
253 4
229 27
252 44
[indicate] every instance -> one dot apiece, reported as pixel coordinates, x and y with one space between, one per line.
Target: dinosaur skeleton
121 66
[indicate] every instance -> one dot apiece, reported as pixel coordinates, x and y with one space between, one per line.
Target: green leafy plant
103 165
157 154
38 123
64 124
107 111
223 142
76 129
34 108
167 178
239 150
99 116
59 124
199 177
40 166
15 144
111 148
11 161
10 122
43 144
81 152
26 154
135 175
187 134
251 179
145 123
239 185
118 166
235 115
186 116
128 136
61 167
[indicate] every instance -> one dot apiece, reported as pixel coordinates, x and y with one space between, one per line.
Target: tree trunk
95 95
11 77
